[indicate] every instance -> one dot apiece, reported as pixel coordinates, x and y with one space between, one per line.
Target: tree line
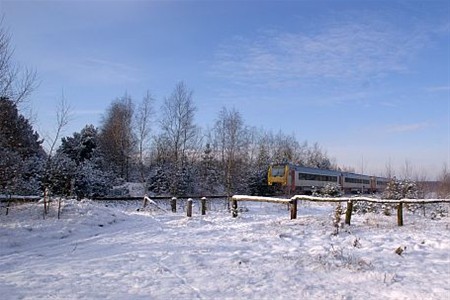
169 153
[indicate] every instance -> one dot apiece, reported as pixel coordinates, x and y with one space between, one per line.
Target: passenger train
304 180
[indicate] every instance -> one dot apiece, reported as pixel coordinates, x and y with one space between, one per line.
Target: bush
329 190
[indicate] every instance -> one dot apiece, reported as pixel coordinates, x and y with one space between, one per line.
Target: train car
304 180
381 183
310 179
353 183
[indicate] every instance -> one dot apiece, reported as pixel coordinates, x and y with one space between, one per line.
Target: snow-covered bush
92 182
400 189
337 216
329 190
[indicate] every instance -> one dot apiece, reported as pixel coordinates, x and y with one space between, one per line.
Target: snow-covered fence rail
173 204
19 198
292 202
351 200
6 200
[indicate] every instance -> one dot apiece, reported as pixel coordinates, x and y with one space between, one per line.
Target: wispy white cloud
442 88
342 51
342 99
104 71
388 104
412 127
90 70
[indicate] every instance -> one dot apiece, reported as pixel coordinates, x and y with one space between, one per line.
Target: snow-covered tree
81 146
61 174
90 181
231 145
258 177
317 158
158 182
178 140
19 146
399 189
81 166
209 174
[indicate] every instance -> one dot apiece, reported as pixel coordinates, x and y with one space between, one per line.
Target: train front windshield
278 171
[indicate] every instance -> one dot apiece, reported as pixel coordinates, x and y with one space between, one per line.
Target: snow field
109 250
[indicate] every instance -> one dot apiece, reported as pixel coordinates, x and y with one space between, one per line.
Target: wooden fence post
293 203
203 201
145 201
7 205
45 201
189 207
234 208
173 204
59 207
348 212
400 214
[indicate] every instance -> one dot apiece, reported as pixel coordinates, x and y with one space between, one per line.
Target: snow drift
109 250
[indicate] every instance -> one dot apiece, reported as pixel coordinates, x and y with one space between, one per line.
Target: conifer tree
21 152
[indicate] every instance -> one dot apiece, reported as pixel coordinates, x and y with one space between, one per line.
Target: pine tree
158 182
81 146
209 176
81 166
90 181
19 147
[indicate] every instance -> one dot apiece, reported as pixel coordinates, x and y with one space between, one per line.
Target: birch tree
178 131
230 140
143 120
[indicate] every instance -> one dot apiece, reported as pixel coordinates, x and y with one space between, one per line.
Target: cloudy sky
368 80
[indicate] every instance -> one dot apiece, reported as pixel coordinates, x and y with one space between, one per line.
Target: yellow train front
278 176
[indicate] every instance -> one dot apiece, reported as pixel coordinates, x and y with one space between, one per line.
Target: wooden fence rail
349 200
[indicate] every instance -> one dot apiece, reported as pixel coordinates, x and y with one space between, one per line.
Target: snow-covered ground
104 250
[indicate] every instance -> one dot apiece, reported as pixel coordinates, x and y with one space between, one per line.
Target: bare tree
317 158
177 123
407 170
421 179
389 173
287 149
230 139
143 121
444 183
116 136
63 117
178 134
16 82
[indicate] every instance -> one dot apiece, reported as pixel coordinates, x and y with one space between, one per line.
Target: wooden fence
292 202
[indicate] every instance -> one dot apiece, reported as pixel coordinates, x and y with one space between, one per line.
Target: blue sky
368 80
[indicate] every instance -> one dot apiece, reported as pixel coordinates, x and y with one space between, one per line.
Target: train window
278 171
314 177
356 180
